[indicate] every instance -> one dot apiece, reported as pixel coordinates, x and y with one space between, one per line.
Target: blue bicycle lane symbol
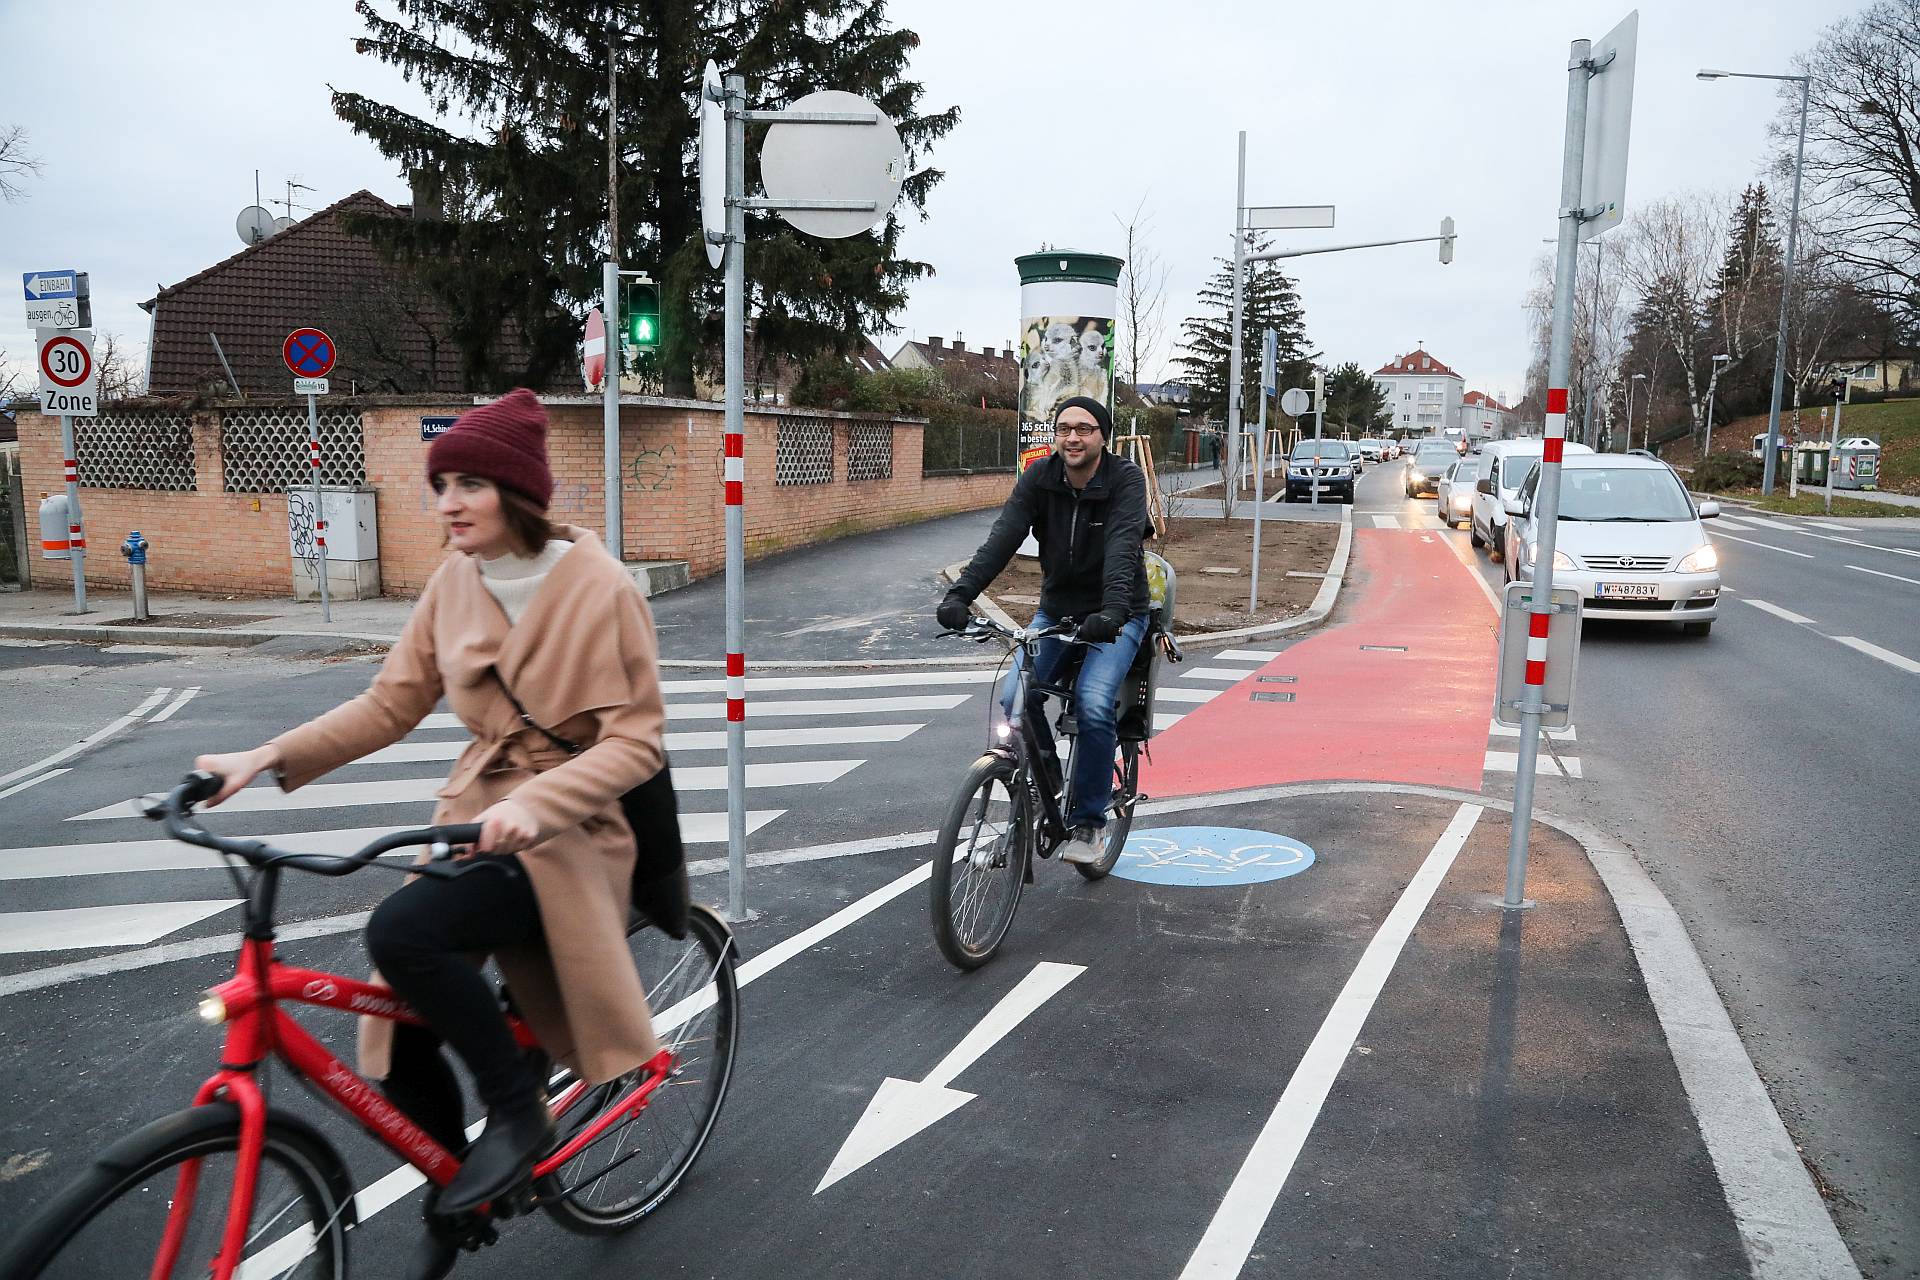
1190 856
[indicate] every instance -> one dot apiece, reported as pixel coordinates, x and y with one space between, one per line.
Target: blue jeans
1094 694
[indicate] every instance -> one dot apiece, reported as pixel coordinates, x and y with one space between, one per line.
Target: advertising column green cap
1069 265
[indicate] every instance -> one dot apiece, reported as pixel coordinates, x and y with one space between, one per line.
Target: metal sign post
319 512
1574 211
69 387
1229 489
860 179
76 534
1268 350
310 353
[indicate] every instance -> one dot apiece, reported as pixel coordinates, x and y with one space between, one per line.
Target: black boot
500 1159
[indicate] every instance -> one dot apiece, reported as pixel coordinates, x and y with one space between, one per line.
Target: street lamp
1713 385
1786 284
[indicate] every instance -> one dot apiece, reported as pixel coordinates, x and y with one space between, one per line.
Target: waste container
1856 465
1810 464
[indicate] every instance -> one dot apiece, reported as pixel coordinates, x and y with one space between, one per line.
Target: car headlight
1561 560
1702 559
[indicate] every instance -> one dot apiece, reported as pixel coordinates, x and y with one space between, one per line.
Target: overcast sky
152 120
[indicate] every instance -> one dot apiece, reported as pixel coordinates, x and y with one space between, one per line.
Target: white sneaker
1084 847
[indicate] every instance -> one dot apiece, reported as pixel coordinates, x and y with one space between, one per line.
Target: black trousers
423 938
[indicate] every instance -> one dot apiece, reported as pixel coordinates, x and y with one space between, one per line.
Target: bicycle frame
257 1029
1052 817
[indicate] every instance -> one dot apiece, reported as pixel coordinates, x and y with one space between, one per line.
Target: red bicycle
235 1187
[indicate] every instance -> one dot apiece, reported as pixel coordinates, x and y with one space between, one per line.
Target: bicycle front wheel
1126 792
628 1171
156 1204
980 863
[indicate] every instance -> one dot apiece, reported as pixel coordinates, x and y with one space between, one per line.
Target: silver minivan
1503 465
1629 538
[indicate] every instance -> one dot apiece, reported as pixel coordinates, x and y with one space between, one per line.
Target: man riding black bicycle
1087 508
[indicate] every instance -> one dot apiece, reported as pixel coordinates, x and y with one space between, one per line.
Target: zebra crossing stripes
1249 661
1552 761
446 749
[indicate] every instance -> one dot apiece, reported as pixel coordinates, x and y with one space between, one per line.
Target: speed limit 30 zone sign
69 380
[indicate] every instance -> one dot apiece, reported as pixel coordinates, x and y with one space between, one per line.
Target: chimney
936 343
959 343
426 195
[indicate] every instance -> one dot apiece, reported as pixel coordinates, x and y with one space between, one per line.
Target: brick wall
236 544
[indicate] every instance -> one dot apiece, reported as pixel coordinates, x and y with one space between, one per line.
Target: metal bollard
135 550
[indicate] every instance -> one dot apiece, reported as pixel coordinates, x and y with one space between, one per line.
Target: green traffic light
641 304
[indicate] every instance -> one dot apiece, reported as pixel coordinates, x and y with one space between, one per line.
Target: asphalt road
1765 776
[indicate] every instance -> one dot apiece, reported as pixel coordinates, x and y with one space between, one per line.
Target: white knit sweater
512 579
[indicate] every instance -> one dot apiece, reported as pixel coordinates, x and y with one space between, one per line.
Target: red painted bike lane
1401 690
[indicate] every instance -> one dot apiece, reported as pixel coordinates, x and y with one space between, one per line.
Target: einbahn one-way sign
54 298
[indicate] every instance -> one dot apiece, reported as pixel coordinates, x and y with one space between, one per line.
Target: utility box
1856 465
353 543
56 531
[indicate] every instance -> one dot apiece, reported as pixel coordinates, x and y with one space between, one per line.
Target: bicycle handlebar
175 812
980 630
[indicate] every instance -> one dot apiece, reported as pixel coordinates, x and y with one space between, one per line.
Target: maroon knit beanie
505 442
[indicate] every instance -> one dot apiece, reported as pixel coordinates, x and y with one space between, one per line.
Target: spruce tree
515 157
1356 402
1272 302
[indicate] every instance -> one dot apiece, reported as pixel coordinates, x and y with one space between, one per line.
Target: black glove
953 612
1099 628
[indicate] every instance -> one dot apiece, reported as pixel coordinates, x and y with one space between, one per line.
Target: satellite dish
865 163
253 225
281 223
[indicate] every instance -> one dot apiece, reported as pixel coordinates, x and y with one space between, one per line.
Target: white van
1503 466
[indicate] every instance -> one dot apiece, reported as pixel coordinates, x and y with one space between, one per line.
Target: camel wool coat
584 662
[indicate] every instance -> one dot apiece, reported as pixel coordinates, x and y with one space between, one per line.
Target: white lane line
1230 674
1830 537
18 787
691 740
76 928
1236 1225
119 857
1177 694
98 736
186 696
341 795
1774 609
1509 762
1764 546
1827 524
1245 655
1876 573
756 710
1497 730
1163 721
1731 523
1887 656
1386 522
817 684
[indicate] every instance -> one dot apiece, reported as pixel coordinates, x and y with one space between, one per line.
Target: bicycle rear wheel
628 1171
980 863
155 1204
1126 791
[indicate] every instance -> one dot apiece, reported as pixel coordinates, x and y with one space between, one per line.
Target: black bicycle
1013 804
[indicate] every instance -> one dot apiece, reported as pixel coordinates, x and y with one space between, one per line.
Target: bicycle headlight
213 1009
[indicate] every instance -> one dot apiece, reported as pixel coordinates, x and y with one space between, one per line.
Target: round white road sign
864 163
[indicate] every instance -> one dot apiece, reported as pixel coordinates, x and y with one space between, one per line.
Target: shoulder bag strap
571 748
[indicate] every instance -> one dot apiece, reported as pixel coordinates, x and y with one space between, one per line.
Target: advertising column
1067 304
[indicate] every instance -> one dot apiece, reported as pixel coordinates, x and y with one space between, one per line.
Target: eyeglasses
1069 429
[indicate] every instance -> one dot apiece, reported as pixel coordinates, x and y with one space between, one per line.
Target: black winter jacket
1090 556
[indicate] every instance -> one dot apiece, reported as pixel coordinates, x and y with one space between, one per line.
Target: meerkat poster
1060 357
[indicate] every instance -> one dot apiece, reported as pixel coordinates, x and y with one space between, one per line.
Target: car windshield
1622 493
1322 450
1435 451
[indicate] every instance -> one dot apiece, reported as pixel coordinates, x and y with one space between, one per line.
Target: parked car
1502 466
1455 493
1370 449
1431 458
1629 539
1326 465
1393 450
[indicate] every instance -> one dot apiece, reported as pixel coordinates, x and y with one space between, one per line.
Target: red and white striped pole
1546 500
734 482
319 512
76 534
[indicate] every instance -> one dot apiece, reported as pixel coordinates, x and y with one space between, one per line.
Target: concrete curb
1323 602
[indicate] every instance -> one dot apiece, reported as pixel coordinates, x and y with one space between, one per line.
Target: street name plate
1562 656
310 386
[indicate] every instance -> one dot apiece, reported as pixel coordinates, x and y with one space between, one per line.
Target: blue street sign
1190 856
431 428
41 285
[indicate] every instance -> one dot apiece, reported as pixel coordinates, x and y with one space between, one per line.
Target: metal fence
960 448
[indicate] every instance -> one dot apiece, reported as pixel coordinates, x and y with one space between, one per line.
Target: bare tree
13 378
16 163
1863 147
123 372
1143 294
1670 253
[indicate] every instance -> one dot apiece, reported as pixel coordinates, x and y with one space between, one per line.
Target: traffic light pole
610 312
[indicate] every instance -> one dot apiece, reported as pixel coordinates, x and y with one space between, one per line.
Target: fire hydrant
135 550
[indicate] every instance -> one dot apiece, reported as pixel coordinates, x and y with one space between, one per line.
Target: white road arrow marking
903 1108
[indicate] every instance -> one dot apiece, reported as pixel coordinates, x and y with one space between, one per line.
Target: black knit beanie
1101 417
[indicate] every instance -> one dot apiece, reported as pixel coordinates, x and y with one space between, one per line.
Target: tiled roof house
1002 366
391 334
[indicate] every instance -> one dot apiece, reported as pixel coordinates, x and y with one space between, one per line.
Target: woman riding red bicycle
535 616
